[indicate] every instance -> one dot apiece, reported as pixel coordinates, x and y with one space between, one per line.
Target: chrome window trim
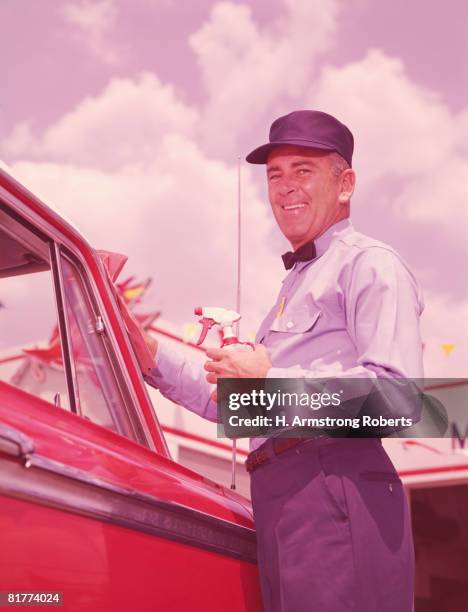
64 329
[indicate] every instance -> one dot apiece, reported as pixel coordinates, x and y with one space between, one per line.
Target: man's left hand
237 364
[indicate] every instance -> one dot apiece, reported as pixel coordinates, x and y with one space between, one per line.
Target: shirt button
290 324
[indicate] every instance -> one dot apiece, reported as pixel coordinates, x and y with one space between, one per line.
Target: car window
98 394
52 344
30 348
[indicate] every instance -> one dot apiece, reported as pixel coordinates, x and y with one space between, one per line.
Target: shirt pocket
296 320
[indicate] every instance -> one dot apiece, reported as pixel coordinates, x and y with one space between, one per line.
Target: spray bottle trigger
207 325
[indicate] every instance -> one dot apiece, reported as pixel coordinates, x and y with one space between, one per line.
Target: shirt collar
323 242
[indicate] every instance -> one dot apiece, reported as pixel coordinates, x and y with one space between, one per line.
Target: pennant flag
125 283
134 292
447 348
190 331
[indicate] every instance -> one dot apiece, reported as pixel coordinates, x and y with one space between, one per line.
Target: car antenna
238 301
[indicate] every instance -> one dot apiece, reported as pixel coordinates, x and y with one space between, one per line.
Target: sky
130 117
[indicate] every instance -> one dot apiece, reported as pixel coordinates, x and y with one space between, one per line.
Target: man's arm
183 382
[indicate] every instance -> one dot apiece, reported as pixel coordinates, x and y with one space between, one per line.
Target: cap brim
260 154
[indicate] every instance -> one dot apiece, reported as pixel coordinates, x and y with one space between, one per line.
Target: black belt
260 455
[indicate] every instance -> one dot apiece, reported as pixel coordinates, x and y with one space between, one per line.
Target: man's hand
237 364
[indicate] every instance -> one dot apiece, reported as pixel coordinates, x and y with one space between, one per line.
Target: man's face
303 192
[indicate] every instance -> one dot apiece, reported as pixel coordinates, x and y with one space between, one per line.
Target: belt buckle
282 444
254 460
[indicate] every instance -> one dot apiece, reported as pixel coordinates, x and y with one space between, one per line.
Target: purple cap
307 128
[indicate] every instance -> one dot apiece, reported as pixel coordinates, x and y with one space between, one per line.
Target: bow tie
304 253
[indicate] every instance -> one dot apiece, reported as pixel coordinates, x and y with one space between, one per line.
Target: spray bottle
212 315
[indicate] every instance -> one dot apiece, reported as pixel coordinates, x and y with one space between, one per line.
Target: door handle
16 443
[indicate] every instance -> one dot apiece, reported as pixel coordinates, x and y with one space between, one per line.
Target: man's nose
287 186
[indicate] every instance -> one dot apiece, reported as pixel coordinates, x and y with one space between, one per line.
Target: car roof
49 214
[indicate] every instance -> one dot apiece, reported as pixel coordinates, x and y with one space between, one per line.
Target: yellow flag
134 292
447 348
190 331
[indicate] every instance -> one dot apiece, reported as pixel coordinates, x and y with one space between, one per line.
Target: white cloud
401 129
91 199
123 125
176 219
21 142
252 72
93 21
406 138
440 196
462 133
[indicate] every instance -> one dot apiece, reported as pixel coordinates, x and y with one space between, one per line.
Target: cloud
401 128
440 196
462 133
93 21
410 158
122 125
249 72
176 219
252 72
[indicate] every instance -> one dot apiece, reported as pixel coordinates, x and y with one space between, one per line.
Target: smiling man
332 521
309 191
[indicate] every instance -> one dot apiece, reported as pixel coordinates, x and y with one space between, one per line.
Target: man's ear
348 182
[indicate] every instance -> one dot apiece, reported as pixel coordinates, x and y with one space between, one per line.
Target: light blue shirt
351 312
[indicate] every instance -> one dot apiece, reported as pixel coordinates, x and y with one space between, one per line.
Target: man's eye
303 171
273 177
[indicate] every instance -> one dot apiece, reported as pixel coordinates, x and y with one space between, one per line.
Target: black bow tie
304 253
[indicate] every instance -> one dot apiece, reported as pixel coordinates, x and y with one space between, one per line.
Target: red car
91 504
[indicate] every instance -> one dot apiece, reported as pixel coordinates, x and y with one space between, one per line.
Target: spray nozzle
213 315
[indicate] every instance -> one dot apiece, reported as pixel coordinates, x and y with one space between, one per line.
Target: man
332 521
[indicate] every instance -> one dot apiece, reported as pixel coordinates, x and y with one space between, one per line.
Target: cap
307 128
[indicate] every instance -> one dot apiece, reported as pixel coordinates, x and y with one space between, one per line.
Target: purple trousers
333 529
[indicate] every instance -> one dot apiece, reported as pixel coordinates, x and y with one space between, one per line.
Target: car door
91 505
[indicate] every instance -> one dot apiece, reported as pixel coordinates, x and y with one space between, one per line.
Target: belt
260 455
